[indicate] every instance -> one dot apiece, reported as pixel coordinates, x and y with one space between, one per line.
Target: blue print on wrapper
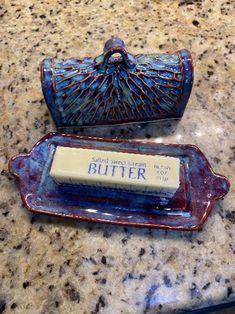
116 171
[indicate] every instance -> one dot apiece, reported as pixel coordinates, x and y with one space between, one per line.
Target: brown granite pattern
51 265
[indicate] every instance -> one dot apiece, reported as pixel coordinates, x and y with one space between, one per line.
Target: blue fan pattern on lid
111 89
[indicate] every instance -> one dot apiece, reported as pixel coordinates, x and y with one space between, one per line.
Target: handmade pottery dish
188 209
112 89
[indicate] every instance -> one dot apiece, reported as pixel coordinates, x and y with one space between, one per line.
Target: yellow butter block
132 171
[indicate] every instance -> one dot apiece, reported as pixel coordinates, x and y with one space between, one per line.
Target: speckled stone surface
51 265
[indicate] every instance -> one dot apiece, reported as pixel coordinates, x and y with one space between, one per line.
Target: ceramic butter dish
117 87
196 188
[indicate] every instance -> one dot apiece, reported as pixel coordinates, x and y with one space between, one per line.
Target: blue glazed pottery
188 209
111 89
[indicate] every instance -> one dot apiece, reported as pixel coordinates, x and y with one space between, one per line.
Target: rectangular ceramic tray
187 210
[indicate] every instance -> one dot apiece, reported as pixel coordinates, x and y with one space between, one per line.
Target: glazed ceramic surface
188 209
66 265
111 90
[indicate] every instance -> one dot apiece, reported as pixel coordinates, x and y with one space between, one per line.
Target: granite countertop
52 265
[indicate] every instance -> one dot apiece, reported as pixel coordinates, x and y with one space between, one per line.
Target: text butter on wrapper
129 171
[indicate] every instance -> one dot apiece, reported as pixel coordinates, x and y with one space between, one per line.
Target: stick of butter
140 172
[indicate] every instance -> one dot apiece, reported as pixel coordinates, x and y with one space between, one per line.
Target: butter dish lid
117 87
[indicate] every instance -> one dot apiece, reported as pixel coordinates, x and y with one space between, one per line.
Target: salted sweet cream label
115 169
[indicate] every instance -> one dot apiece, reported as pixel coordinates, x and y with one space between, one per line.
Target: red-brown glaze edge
196 227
